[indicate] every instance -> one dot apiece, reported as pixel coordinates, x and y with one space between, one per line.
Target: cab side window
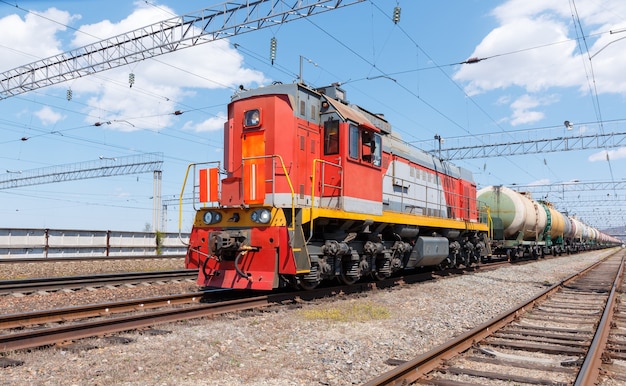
371 147
353 150
365 145
377 150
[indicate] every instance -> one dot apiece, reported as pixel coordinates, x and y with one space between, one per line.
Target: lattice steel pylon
207 25
483 145
104 167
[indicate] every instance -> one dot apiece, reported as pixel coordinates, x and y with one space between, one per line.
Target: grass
354 312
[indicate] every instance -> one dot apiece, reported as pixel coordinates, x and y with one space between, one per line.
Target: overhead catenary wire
468 61
405 88
593 89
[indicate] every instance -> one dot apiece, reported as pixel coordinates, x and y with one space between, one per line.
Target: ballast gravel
340 341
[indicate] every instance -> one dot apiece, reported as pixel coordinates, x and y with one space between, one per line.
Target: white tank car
518 212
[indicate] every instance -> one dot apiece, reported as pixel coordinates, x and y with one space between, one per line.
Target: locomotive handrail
193 194
273 180
322 190
453 207
424 204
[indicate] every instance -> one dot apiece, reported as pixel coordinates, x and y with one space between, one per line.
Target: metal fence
32 243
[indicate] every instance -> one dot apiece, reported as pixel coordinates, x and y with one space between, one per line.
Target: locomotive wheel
307 285
346 268
347 280
291 282
310 280
379 275
383 271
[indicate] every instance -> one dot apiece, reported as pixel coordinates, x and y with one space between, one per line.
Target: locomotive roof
392 143
274 88
332 93
349 113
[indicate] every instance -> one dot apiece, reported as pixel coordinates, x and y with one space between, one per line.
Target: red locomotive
315 188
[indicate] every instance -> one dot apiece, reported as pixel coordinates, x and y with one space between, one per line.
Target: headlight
212 217
261 216
252 118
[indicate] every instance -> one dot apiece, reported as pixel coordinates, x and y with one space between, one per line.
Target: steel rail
410 371
55 283
22 320
590 369
49 336
18 260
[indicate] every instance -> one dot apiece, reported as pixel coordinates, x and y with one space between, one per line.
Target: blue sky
536 74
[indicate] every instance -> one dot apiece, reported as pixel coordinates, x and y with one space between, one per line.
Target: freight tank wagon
315 188
523 227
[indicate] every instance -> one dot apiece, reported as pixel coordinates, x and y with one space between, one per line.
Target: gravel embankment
342 341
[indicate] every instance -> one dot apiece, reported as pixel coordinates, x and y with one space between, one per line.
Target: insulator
68 95
131 79
273 49
396 15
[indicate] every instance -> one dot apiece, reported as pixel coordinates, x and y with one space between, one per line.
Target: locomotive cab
351 162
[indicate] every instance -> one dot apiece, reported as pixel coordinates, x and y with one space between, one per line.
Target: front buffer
252 254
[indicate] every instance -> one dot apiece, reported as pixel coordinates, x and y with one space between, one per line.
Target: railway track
22 260
48 327
63 315
613 368
29 286
35 285
558 338
170 309
54 327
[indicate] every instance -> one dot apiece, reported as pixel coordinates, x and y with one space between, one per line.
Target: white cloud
612 155
533 69
209 125
47 116
161 83
525 108
32 38
536 46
